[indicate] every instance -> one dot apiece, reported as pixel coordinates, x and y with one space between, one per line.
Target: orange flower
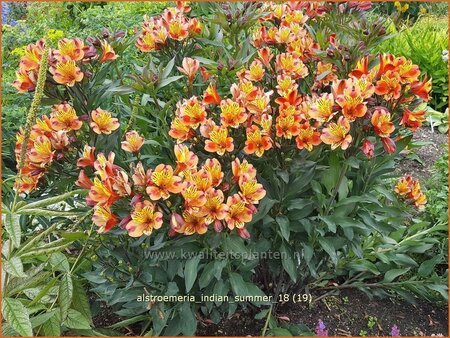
239 212
101 193
67 73
104 218
32 57
146 42
210 96
214 169
133 142
219 141
104 167
389 85
307 137
186 160
190 68
214 209
381 121
163 182
108 53
256 143
287 126
260 104
322 108
144 219
368 148
242 169
195 26
26 183
336 134
84 181
178 30
362 68
255 72
69 49
192 112
232 115
388 145
64 117
352 102
285 85
193 224
59 140
403 186
87 159
180 131
140 177
408 71
202 179
322 68
410 190
413 119
251 191
284 35
265 55
287 64
193 198
422 89
25 81
121 185
103 122
41 153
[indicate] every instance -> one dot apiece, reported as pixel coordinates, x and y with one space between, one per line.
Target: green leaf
168 81
190 272
288 262
14 267
393 274
44 291
51 213
238 285
59 262
65 294
210 270
80 301
235 245
16 315
329 248
128 321
166 72
12 227
283 222
76 320
51 200
280 332
426 268
442 289
188 320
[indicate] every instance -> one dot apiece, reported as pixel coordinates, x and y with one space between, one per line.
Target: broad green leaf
168 81
210 270
76 320
80 301
44 291
16 315
393 274
51 200
52 327
65 294
59 262
12 227
128 321
283 222
50 213
190 272
166 72
427 266
329 248
14 267
235 245
238 285
288 262
188 320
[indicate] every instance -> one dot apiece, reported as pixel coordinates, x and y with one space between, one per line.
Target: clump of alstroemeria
172 26
66 62
50 138
409 190
187 197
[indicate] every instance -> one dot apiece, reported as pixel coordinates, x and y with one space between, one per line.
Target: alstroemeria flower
108 53
88 158
104 218
103 122
321 108
67 73
133 142
192 112
240 169
238 212
336 134
190 68
25 81
59 140
180 130
389 85
256 143
422 89
32 57
214 209
193 198
64 117
210 96
232 114
193 224
381 121
388 145
146 42
219 142
307 137
186 159
101 193
250 190
213 167
163 182
368 148
41 153
72 49
178 29
413 119
84 181
121 184
144 219
104 167
288 64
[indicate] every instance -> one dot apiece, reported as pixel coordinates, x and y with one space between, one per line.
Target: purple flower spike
321 329
395 331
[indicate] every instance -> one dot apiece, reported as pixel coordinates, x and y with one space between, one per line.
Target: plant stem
266 324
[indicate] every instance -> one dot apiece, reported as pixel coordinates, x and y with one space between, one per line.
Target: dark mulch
436 146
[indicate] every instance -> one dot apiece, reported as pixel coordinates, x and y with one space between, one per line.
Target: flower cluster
173 24
409 190
65 62
196 194
50 137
